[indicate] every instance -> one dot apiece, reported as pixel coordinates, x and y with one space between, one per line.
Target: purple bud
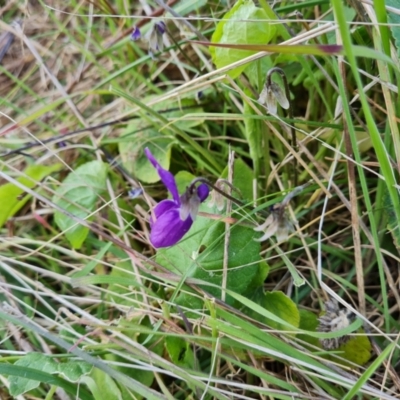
136 34
135 192
160 26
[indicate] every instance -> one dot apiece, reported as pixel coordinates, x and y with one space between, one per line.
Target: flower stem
281 72
217 189
240 203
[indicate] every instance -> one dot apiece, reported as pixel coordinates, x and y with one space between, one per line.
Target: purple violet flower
136 34
174 217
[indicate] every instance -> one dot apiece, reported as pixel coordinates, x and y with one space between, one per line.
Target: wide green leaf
103 386
37 361
13 370
10 199
357 349
71 370
240 26
309 322
283 307
142 133
74 370
132 152
253 134
179 351
78 195
390 215
243 178
394 20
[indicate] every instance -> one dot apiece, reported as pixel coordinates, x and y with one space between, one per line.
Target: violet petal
169 229
167 178
136 34
164 206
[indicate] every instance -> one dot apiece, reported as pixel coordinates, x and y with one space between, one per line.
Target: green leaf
36 361
394 19
103 386
392 226
142 133
243 178
259 279
132 152
283 307
240 26
13 370
253 134
74 370
200 255
78 194
357 349
179 351
309 322
9 194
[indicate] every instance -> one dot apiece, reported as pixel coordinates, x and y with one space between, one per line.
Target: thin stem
217 189
281 72
64 136
240 203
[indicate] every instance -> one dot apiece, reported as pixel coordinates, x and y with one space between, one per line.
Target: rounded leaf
240 26
283 307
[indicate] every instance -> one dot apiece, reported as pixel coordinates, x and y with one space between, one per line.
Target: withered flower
155 37
218 194
334 319
278 223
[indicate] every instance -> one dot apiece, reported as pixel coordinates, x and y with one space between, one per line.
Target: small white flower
277 223
271 95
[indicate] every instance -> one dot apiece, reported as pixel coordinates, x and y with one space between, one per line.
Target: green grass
90 308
